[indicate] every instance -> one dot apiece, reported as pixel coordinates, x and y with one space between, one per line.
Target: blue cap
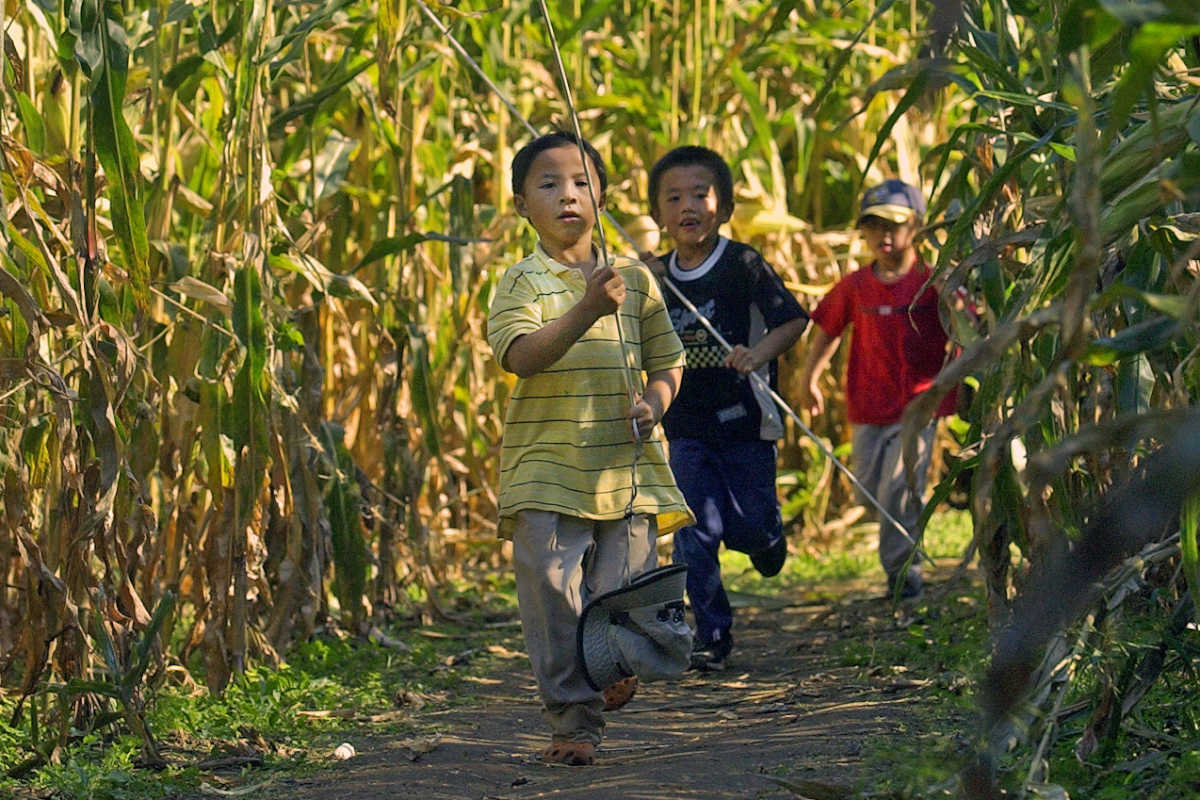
892 200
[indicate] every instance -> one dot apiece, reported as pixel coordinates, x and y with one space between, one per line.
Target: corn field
248 249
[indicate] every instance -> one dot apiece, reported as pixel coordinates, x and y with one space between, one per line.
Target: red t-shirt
897 346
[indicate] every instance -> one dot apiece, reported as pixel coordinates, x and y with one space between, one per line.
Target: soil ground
785 719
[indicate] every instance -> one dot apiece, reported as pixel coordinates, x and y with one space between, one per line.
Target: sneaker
711 657
768 562
914 586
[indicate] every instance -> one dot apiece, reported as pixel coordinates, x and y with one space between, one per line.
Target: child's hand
743 359
811 398
655 264
605 291
645 416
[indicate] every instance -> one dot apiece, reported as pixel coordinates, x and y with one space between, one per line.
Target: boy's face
555 197
888 240
688 207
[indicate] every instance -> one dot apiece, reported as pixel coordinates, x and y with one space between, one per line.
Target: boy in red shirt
897 348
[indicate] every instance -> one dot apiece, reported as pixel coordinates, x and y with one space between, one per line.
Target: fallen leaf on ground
458 658
406 699
385 716
905 685
326 713
503 652
414 748
208 788
379 637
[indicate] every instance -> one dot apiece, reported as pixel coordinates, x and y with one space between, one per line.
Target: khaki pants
561 562
879 465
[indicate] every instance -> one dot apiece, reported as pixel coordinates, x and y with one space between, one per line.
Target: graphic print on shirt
742 298
701 347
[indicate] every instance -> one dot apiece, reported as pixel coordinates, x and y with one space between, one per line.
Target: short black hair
523 160
694 155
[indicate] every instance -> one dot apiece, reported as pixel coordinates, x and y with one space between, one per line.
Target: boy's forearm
531 353
820 351
661 388
780 339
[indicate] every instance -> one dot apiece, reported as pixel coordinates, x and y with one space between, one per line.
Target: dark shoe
914 586
711 657
768 562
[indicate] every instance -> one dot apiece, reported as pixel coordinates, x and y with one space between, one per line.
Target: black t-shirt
743 298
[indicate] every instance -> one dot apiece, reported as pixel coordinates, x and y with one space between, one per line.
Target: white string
691 307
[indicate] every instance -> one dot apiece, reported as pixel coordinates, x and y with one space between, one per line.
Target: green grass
262 709
1155 755
851 558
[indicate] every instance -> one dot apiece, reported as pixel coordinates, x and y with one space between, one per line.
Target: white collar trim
700 271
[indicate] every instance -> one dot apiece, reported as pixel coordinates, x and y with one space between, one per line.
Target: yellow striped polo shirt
568 444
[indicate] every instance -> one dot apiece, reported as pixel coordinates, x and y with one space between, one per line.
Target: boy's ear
520 205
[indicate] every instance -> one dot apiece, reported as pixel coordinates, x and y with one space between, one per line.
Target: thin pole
691 307
583 159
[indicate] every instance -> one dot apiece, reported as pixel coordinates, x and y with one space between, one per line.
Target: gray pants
879 465
561 562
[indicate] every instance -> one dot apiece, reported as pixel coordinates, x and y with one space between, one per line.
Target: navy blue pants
730 486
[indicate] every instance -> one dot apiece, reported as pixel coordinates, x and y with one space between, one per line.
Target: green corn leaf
293 40
28 249
462 223
1173 305
248 322
84 21
758 113
422 389
31 120
311 103
333 164
12 288
915 90
343 504
107 649
77 686
179 10
1085 22
1193 126
1024 100
592 13
141 654
998 178
323 278
248 408
188 67
390 247
1143 337
217 461
1134 385
843 58
117 152
1147 50
1189 532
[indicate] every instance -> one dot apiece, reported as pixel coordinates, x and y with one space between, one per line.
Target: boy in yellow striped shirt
581 498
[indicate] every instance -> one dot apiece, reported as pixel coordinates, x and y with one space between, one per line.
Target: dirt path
784 719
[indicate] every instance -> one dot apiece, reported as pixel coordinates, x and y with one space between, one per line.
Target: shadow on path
782 720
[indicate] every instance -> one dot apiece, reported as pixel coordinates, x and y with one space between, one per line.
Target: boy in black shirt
722 426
